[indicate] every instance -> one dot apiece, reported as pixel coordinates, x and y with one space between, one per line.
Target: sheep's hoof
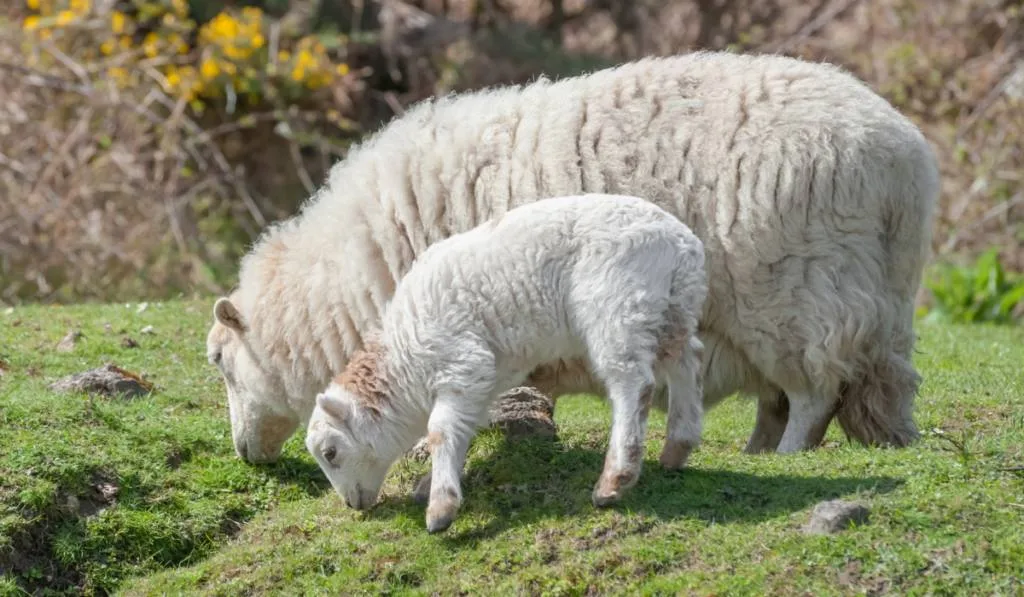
439 519
674 455
421 493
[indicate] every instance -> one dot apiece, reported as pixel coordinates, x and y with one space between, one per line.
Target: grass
164 507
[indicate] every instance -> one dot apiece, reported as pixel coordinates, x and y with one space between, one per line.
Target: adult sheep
813 196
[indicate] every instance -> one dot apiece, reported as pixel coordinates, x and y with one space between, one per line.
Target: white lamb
812 195
614 280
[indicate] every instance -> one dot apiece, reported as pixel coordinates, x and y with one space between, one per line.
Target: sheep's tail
877 404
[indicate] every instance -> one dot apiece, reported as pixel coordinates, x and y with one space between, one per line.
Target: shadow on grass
533 479
302 472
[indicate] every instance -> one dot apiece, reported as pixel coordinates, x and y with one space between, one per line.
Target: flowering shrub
228 58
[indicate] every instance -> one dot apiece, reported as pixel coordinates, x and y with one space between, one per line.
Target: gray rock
109 380
834 516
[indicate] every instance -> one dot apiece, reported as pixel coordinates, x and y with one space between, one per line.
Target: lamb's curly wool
813 196
614 280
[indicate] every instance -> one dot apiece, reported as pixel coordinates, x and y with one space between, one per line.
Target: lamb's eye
330 453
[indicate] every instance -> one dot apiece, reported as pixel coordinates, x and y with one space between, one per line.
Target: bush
142 137
981 293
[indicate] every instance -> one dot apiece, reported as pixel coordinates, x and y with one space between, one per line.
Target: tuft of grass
947 514
980 293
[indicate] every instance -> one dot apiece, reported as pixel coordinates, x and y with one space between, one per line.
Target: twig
300 168
990 98
827 16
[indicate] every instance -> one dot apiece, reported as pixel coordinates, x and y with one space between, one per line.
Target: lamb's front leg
631 403
449 435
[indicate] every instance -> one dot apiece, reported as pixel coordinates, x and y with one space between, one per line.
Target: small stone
834 516
108 491
128 342
67 344
108 328
142 307
421 451
9 311
147 330
524 411
109 380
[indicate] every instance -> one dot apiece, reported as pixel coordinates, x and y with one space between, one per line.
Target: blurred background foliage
145 143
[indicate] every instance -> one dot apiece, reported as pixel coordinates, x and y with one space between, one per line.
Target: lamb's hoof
421 493
675 455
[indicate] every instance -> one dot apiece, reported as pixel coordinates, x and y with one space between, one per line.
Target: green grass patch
145 496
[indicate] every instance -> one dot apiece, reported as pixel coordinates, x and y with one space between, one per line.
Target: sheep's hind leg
772 417
631 399
809 417
685 420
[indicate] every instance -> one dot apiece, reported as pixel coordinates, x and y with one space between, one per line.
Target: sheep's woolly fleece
813 196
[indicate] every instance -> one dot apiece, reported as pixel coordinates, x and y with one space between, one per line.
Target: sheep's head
348 441
261 419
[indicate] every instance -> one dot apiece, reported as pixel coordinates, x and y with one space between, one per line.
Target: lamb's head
350 441
261 419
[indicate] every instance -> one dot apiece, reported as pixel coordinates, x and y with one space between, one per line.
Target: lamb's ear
228 314
333 406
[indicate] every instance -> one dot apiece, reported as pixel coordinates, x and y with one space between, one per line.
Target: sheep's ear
228 314
332 405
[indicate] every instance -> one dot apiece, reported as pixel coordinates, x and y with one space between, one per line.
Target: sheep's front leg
631 404
772 416
449 437
685 420
809 416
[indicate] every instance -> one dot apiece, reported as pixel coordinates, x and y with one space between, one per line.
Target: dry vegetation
141 162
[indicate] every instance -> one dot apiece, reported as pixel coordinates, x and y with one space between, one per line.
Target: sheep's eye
330 453
215 358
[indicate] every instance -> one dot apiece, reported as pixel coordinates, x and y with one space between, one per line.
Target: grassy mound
145 496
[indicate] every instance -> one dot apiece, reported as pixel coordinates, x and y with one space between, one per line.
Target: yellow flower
151 45
80 6
209 68
342 69
32 4
173 80
64 17
108 47
298 73
180 7
31 23
283 56
117 20
258 41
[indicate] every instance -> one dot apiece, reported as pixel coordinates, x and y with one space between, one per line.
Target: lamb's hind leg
630 397
809 417
685 419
